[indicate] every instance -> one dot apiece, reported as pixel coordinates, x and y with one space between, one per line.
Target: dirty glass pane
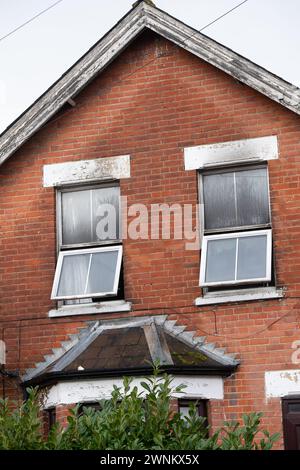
219 201
220 260
252 197
236 199
76 217
90 215
73 275
105 211
102 272
252 252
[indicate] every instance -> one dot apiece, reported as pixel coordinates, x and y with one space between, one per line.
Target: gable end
138 19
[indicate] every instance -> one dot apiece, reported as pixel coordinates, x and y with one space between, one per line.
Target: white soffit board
279 383
237 151
67 393
85 170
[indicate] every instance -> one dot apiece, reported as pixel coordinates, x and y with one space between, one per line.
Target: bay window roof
114 348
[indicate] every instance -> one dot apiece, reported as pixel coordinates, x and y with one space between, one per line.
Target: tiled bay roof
132 346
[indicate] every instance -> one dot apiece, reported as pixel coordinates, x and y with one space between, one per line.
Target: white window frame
60 260
237 235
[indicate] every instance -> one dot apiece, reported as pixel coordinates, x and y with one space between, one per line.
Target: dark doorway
291 422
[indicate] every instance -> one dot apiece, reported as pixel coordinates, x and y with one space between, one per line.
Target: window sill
247 295
112 306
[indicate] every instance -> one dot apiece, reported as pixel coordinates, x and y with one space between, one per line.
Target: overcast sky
265 31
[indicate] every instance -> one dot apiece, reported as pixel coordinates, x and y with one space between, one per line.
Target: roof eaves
50 378
72 82
224 58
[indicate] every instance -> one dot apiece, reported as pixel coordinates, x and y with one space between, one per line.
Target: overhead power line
132 73
222 16
30 20
60 1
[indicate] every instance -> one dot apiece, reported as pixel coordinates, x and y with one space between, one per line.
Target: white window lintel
279 383
233 152
81 391
100 169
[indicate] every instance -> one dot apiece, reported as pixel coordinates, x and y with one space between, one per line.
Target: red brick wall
154 100
62 413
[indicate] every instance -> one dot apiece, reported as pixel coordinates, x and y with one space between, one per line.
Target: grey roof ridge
66 346
199 343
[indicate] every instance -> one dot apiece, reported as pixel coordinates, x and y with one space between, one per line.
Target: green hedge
128 421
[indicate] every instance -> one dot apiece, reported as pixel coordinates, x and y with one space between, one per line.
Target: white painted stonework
279 383
66 393
85 170
225 153
112 306
246 295
2 352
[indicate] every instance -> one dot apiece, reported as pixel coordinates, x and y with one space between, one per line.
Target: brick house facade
159 104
